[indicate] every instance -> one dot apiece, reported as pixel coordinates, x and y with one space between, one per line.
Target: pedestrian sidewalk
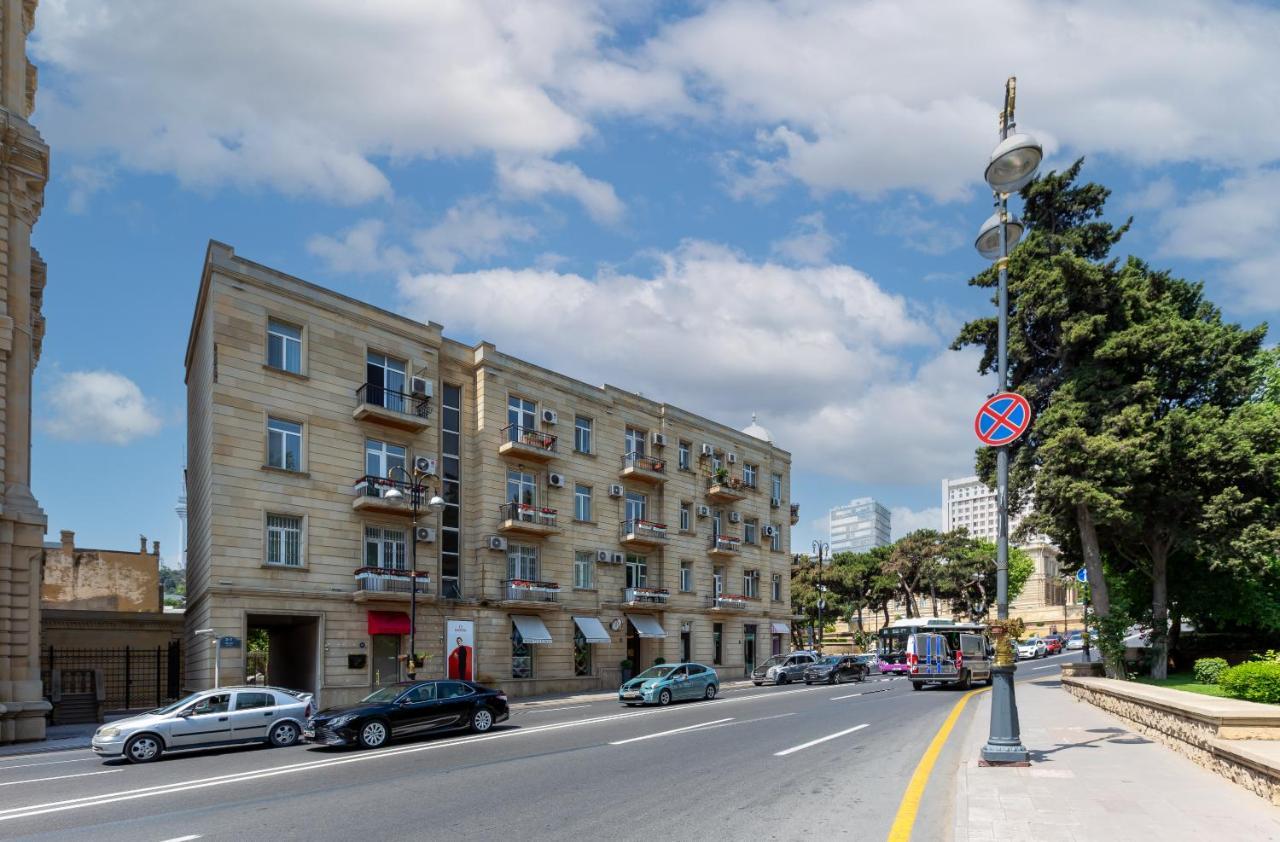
1091 778
57 738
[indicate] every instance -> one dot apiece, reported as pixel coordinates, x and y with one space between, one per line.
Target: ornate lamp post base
1004 742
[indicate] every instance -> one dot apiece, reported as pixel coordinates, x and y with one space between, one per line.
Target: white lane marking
818 741
60 777
549 710
672 731
182 838
47 763
1045 667
850 696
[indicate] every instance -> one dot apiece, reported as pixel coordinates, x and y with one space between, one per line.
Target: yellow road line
905 819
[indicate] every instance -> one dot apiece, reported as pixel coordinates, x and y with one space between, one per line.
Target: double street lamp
820 549
415 481
1012 166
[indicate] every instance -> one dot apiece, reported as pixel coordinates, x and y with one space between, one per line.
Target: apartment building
859 527
582 525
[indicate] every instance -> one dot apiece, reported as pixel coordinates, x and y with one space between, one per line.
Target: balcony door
385 377
521 417
637 507
380 458
635 442
637 571
522 488
718 581
522 562
717 516
384 547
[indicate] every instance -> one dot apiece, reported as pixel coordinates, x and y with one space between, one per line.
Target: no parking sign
1003 418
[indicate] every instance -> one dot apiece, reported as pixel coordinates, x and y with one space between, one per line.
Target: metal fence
133 677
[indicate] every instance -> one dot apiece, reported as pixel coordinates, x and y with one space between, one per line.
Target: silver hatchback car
225 716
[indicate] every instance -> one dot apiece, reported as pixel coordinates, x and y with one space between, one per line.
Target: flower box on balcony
537 587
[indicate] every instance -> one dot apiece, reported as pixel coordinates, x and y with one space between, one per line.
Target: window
635 442
583 564
775 542
420 694
521 487
451 490
284 444
284 540
776 494
686 576
685 449
684 517
582 502
637 571
380 458
520 417
384 547
776 594
686 653
385 381
717 519
522 562
212 704
717 580
252 701
521 655
452 690
581 652
582 434
749 474
717 643
750 527
636 507
751 584
284 346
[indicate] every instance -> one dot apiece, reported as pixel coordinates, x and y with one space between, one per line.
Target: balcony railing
650 596
370 485
391 580
736 602
647 463
373 394
529 437
643 529
726 543
530 590
528 513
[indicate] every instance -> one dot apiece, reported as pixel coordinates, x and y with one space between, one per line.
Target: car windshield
773 662
170 708
831 659
656 672
384 694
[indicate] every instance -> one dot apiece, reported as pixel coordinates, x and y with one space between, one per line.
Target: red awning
388 622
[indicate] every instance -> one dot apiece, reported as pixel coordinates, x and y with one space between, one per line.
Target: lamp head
988 242
1014 163
390 492
436 504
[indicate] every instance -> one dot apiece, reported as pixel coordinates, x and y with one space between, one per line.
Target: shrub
1209 670
1254 681
659 660
1269 655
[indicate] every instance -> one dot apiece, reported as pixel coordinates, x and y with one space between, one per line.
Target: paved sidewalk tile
1092 778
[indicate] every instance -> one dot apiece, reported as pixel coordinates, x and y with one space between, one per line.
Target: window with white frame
582 434
775 542
583 566
520 417
386 378
750 529
684 516
521 487
384 547
637 571
284 540
284 444
686 576
582 502
751 583
381 458
635 441
777 587
749 474
717 580
522 562
284 346
684 457
777 488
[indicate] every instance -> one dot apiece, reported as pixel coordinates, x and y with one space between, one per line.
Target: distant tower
181 509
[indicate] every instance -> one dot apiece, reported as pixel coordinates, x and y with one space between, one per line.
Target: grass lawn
1186 681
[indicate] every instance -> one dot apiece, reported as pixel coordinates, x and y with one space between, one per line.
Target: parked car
872 662
409 709
783 669
835 669
1053 643
1032 647
225 716
667 683
1074 642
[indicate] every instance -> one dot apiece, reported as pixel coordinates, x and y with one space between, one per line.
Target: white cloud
530 179
909 225
471 231
86 181
359 249
904 520
810 243
99 406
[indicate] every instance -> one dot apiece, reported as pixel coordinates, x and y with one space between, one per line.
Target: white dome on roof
756 431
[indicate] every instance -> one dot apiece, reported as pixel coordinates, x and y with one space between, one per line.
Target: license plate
308 734
630 695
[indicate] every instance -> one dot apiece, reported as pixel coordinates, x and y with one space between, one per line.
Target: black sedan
408 709
835 669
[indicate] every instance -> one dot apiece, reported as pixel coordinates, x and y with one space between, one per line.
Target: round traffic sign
1082 576
1003 418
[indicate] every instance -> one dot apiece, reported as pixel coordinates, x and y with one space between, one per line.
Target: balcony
386 584
642 533
529 593
527 519
727 602
726 489
369 491
380 405
725 545
637 466
795 513
527 443
645 597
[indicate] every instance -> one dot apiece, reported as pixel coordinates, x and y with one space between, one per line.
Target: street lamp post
1012 166
417 488
820 549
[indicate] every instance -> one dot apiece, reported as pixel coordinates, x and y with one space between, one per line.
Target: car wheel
143 748
758 683
966 681
916 685
711 692
481 720
664 698
283 735
374 734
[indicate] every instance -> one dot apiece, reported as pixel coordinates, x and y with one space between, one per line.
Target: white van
953 656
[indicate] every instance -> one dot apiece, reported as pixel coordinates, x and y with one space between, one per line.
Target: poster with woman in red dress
460 637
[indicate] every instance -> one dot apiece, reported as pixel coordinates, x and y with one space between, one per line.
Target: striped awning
780 628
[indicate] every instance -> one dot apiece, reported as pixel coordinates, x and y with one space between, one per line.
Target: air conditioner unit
616 558
425 465
708 450
425 535
549 416
735 517
769 531
733 458
603 556
659 440
704 511
497 542
556 480
420 386
775 502
615 490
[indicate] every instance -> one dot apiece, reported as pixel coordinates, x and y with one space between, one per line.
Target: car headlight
109 731
339 721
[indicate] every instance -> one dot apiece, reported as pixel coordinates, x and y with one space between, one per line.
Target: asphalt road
760 763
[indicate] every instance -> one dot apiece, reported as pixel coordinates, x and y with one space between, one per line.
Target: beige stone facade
24 170
300 400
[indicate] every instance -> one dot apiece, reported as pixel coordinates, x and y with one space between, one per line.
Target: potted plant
722 474
658 661
625 666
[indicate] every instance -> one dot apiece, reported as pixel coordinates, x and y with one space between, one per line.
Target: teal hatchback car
667 683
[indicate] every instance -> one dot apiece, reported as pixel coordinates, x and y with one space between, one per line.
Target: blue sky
787 191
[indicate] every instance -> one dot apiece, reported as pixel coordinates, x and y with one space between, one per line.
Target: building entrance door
749 648
633 649
386 659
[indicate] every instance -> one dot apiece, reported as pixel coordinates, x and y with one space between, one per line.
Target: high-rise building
970 504
25 169
859 526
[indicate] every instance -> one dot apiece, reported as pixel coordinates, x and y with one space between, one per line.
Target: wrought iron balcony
527 443
724 487
642 533
725 545
370 495
727 602
529 590
382 582
645 596
375 402
527 519
645 468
